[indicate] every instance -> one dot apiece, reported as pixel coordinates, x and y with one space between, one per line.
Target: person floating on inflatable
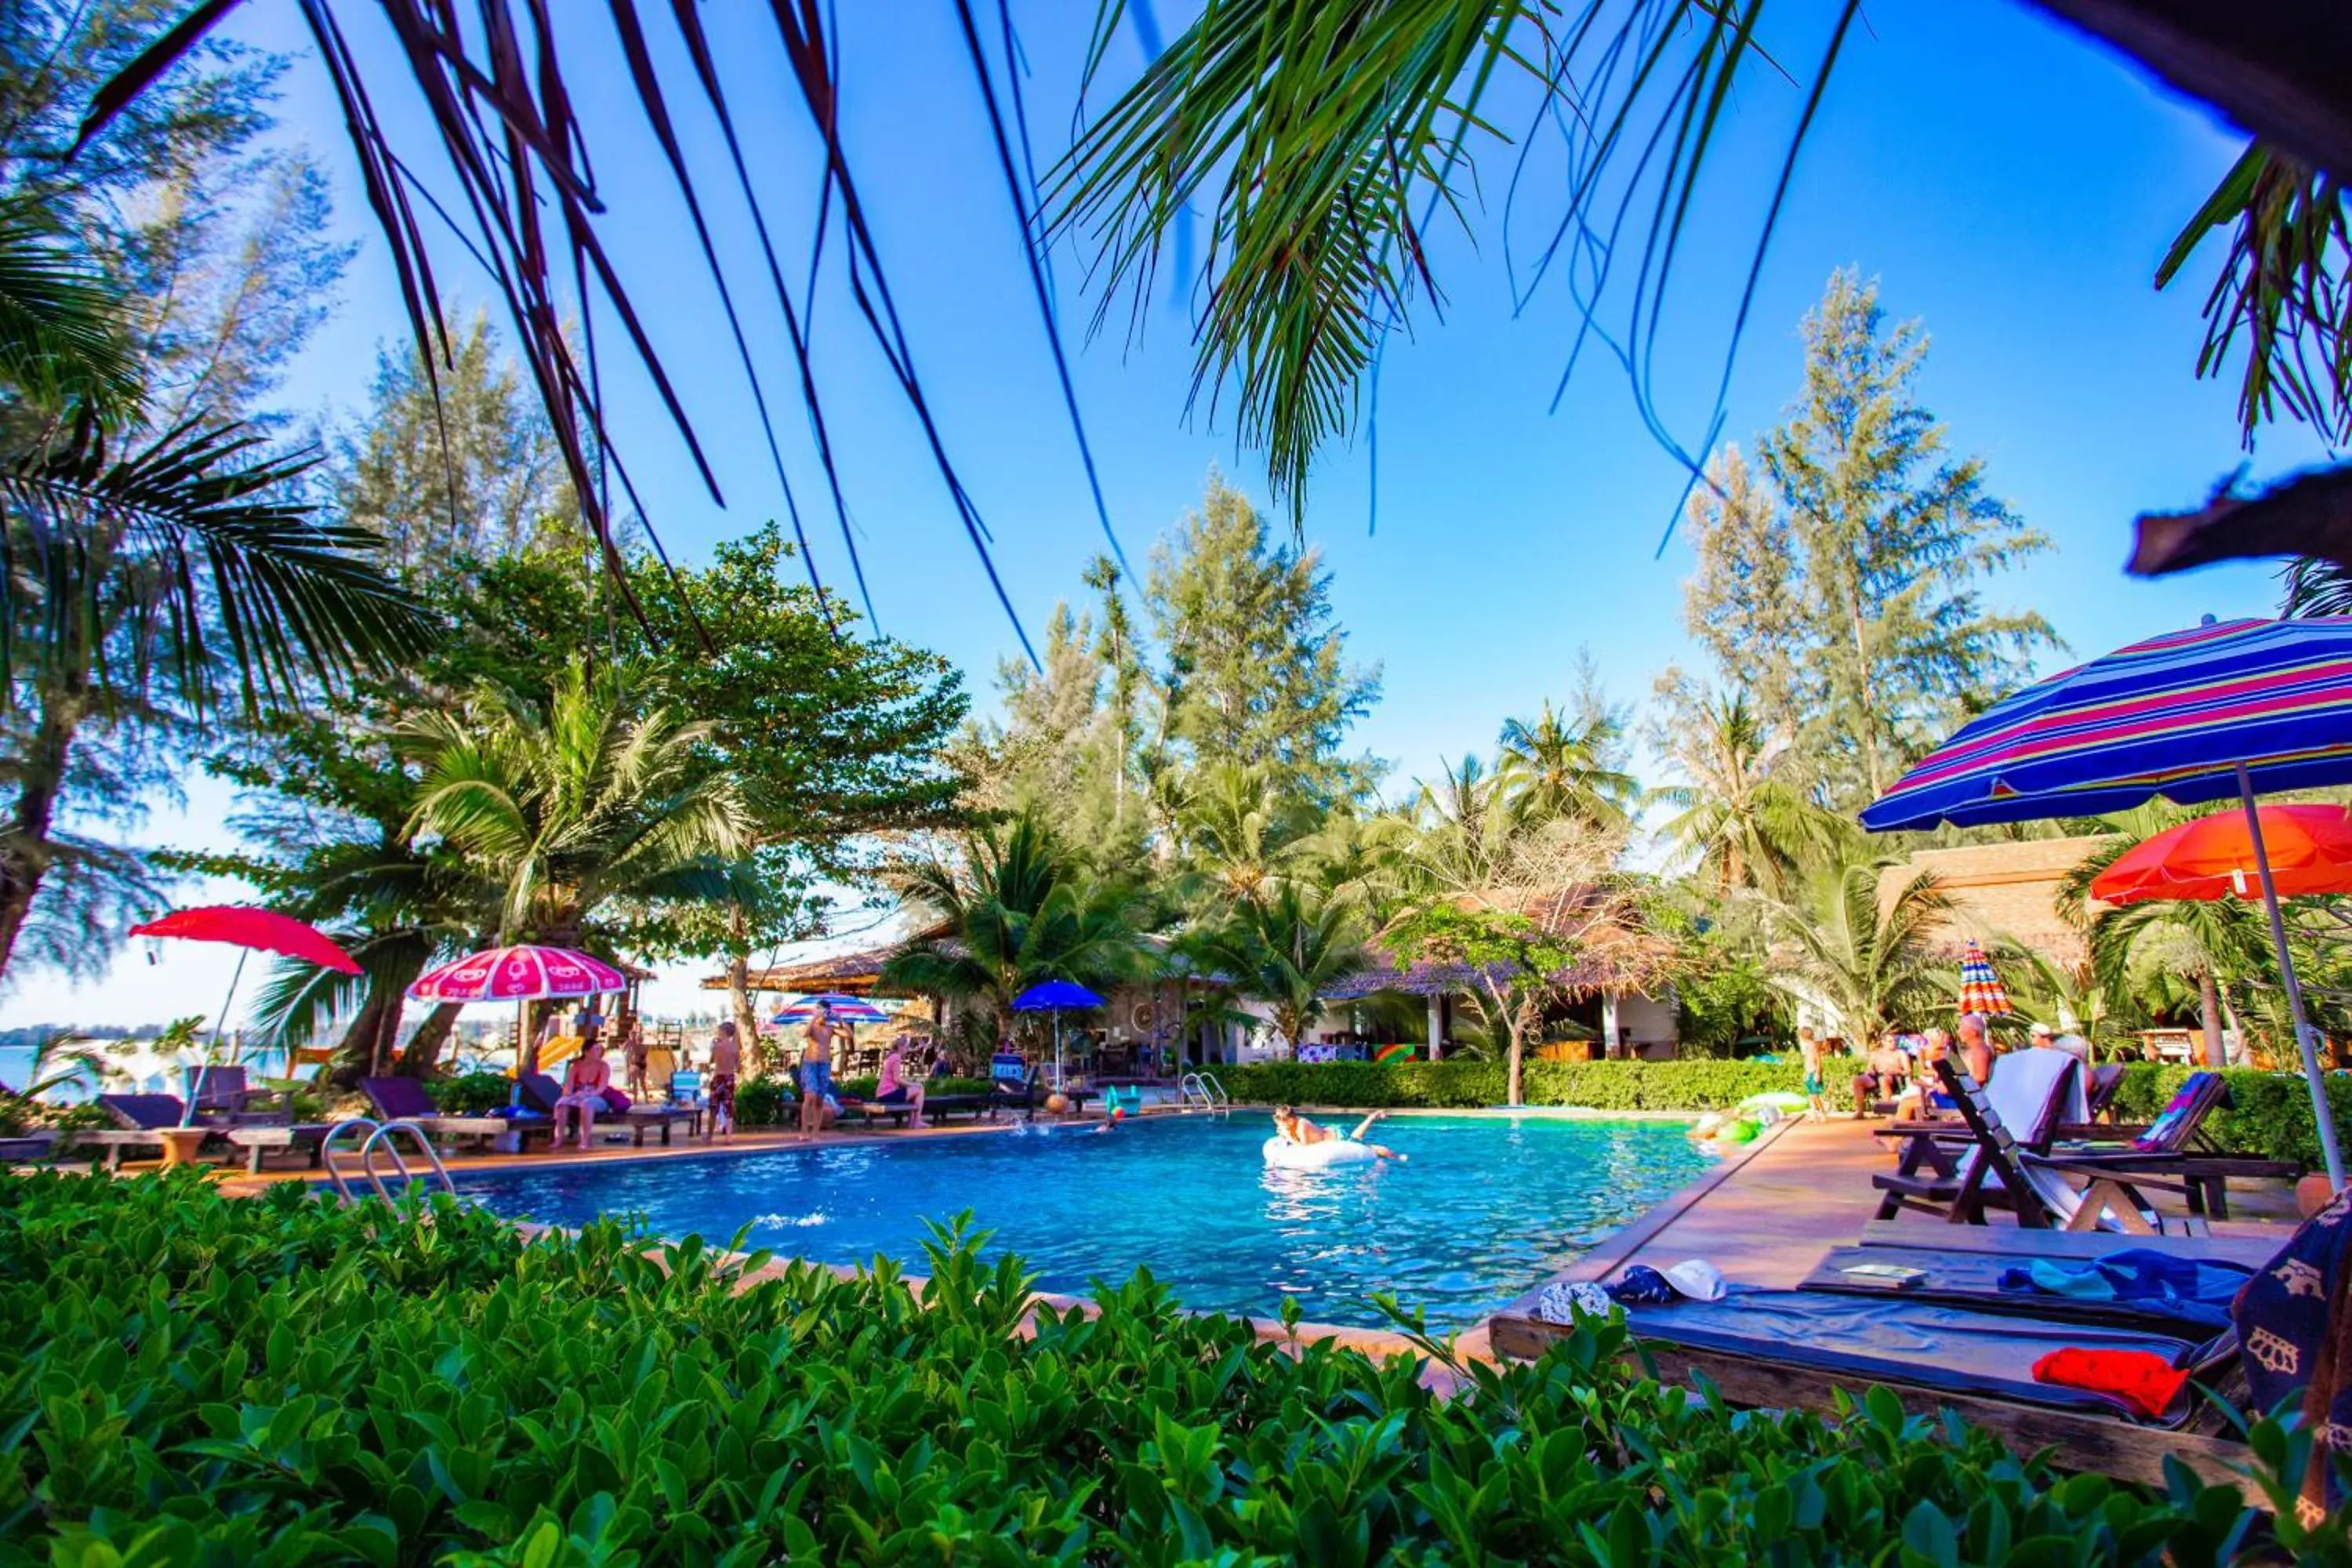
1300 1142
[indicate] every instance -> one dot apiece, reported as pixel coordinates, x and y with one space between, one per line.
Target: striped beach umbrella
844 1010
1981 989
2228 708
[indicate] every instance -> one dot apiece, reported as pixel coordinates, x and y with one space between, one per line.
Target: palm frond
61 337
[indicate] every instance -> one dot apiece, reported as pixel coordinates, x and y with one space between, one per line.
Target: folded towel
2141 1379
2196 1290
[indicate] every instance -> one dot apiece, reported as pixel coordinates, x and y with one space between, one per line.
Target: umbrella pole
2321 1111
196 1092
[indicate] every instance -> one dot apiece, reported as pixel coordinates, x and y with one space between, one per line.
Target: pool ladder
1211 1093
379 1137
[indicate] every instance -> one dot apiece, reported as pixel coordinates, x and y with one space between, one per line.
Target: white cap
2042 1029
1697 1278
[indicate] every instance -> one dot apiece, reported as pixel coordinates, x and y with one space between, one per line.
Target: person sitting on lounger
1295 1129
894 1088
584 1092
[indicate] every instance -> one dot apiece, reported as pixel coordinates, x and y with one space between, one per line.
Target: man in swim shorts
1295 1129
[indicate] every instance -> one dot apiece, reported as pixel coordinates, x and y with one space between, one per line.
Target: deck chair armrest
1952 1131
2129 1175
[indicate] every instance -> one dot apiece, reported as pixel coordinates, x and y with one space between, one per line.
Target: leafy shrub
761 1102
470 1094
186 1378
1455 1084
2269 1113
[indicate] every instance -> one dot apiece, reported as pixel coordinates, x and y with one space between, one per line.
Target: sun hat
2043 1029
1697 1278
1561 1301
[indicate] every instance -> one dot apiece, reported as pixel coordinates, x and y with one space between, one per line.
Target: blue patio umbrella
1052 996
2221 710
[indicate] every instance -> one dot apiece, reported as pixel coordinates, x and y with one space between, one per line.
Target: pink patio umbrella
521 975
248 930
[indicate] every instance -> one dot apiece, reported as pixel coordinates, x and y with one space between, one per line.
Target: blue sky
2009 185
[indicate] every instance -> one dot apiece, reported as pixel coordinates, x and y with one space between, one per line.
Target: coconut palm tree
1465 828
1286 950
1739 822
1241 830
1552 767
1018 913
584 801
1870 967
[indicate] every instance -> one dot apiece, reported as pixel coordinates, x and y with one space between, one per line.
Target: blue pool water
1484 1209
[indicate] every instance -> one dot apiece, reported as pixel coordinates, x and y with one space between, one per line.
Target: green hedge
191 1379
472 1093
1457 1085
2269 1113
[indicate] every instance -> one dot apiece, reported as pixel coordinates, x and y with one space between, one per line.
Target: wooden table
181 1143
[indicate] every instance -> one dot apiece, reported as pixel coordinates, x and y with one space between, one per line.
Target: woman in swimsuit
584 1092
895 1089
1297 1128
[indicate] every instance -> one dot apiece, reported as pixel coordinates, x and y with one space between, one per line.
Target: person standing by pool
719 1095
636 1058
894 1088
1297 1128
1808 1050
584 1092
816 1069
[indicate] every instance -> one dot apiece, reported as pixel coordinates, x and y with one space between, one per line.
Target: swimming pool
1486 1207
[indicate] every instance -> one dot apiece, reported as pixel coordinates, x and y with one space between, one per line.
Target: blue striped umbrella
2224 708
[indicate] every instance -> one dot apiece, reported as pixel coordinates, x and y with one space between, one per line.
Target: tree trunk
2209 1002
424 1045
746 1016
25 852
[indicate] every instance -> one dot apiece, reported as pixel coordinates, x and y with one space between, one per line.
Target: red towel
2141 1379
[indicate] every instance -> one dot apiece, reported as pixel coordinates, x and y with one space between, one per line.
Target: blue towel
2196 1290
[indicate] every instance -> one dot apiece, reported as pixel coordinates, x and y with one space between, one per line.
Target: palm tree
1870 968
1017 912
1465 828
1552 768
1740 823
141 576
1239 827
1286 950
566 807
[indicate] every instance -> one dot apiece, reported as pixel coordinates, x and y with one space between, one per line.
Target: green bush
186 1378
2269 1113
1455 1084
470 1094
763 1101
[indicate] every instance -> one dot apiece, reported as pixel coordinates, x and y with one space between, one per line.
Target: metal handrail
381 1137
367 1127
1213 1093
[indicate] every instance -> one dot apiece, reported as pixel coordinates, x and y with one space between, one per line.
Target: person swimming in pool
1295 1129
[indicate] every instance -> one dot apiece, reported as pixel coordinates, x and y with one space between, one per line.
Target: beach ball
1117 1114
1058 1103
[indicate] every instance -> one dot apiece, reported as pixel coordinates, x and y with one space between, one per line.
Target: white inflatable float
1282 1154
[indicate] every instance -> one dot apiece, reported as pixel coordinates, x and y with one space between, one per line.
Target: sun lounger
873 1110
2015 1242
1998 1171
1973 1279
2176 1144
405 1099
939 1107
222 1095
140 1123
1939 1168
1783 1348
540 1093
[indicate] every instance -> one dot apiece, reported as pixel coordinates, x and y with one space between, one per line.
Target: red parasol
520 973
255 930
2213 857
265 931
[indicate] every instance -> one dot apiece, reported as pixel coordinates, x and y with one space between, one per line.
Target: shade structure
2225 707
253 931
1981 987
260 931
1054 996
519 973
2310 849
847 1009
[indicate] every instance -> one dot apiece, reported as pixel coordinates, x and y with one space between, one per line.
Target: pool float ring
1708 1125
1740 1132
1401 1051
1776 1099
1282 1154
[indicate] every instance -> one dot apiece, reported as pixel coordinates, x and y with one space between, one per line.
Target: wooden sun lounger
309 1138
2018 1242
872 1111
941 1106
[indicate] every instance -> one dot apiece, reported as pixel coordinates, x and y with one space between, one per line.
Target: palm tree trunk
424 1047
2209 1002
25 852
738 997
